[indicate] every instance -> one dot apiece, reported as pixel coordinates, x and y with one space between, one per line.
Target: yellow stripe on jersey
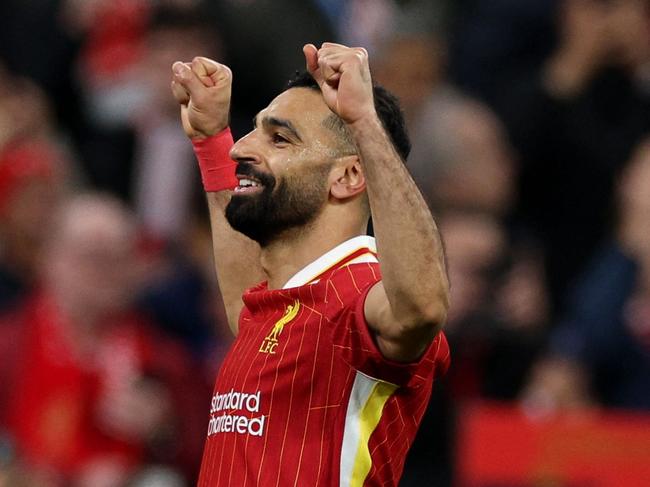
369 420
365 408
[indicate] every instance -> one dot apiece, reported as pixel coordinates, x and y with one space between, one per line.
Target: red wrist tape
217 168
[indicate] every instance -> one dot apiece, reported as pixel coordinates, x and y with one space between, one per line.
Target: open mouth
248 184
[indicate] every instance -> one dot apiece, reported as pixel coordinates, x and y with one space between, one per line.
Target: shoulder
350 282
359 273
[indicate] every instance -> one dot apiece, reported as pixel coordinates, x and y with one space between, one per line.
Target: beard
289 204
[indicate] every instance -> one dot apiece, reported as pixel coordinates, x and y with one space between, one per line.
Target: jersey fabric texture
304 397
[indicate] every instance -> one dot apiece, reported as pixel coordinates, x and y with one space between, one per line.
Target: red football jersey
304 397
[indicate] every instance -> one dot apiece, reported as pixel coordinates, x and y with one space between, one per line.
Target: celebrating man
336 352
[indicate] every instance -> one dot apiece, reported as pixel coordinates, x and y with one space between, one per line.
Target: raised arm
408 307
203 90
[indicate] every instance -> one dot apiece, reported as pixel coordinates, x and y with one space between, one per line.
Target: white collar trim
328 260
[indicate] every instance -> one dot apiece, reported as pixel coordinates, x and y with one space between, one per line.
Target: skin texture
203 114
407 308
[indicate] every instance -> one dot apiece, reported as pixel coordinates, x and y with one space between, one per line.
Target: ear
347 178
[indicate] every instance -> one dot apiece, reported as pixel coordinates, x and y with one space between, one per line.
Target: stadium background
529 121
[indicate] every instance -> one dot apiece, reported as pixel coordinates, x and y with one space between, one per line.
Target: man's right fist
202 88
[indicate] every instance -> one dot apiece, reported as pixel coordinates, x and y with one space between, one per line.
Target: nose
244 150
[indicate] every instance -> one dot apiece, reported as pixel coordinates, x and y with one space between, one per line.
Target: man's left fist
344 78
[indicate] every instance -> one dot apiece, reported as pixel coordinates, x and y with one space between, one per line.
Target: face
164 46
27 213
283 167
412 82
92 259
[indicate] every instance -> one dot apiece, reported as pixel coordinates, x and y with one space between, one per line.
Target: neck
295 249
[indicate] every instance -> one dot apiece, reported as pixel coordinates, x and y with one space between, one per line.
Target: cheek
304 166
290 161
287 168
322 150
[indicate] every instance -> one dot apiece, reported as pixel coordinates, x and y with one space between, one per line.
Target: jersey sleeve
357 344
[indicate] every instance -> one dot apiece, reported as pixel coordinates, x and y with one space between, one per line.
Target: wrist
213 131
365 123
213 155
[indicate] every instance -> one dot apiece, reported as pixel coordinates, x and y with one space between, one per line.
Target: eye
279 139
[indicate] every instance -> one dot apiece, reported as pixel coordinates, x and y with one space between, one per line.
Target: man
90 390
332 367
31 184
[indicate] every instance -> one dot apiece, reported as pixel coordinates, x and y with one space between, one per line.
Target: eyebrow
279 122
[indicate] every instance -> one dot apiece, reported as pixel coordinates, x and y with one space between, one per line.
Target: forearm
236 258
203 90
409 245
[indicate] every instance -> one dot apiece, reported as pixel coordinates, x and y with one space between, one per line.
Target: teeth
244 183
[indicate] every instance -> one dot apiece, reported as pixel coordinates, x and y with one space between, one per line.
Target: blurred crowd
530 122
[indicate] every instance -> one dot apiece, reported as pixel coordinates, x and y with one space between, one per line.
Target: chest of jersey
299 382
285 358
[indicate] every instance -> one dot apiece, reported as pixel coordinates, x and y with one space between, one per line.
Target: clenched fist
343 75
203 89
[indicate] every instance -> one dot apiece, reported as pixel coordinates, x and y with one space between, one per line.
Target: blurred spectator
461 157
607 327
92 391
181 293
134 147
410 54
35 43
165 177
369 23
493 41
575 122
458 143
24 109
30 186
567 90
412 82
123 72
33 172
556 385
266 34
499 308
463 163
363 22
496 324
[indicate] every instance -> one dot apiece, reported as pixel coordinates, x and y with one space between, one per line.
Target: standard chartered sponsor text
231 422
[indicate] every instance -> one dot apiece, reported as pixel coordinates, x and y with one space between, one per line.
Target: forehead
303 107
